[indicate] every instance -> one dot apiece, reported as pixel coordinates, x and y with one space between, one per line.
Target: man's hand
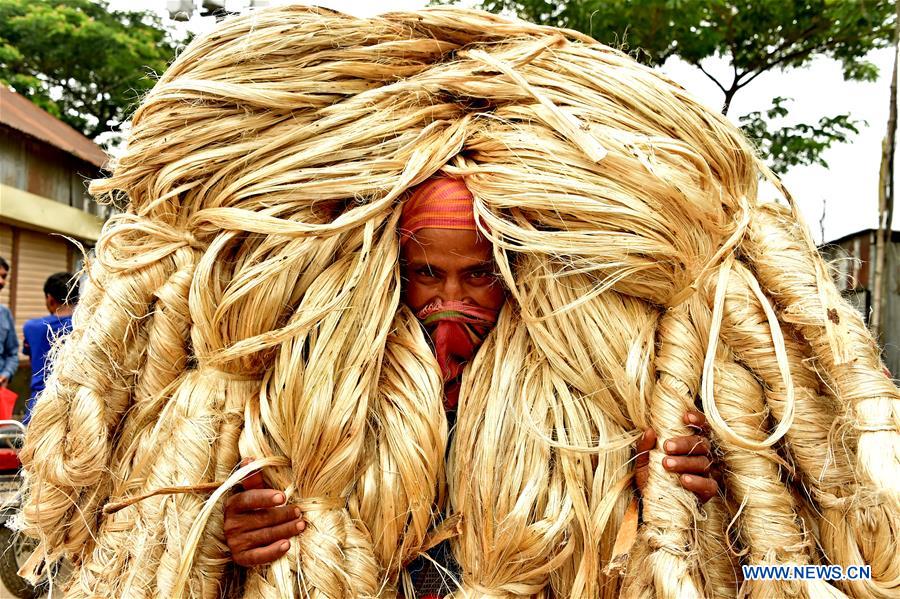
4 380
258 526
689 456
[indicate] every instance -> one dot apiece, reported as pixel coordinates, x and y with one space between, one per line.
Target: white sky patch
847 190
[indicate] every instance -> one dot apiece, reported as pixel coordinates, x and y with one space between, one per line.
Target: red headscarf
457 329
438 203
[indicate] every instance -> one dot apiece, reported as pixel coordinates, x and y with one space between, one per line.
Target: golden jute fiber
247 305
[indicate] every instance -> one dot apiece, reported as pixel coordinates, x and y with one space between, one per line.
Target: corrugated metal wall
44 171
39 256
891 339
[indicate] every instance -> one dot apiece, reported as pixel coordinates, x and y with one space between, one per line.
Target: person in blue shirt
60 297
9 345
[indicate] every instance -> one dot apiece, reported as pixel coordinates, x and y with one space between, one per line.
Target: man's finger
254 481
715 472
261 555
704 488
696 419
240 522
689 445
688 465
645 443
265 537
256 499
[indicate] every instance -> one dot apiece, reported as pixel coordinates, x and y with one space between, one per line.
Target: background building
851 258
44 205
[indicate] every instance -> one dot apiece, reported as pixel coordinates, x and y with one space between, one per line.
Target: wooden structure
44 205
851 258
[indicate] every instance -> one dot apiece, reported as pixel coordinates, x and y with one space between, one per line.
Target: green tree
795 144
755 36
79 60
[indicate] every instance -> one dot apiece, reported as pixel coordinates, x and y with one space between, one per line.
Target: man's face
3 275
450 265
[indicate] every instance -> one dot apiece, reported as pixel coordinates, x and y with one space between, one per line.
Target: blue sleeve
26 346
9 352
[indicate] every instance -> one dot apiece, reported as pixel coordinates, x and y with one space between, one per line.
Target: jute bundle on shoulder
247 305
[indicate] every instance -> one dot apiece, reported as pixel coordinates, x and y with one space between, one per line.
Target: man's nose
453 289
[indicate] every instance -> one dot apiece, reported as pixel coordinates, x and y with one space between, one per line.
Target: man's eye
481 275
425 272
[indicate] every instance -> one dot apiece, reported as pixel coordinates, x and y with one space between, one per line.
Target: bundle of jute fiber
248 306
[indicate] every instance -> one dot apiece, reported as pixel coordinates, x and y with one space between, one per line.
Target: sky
846 192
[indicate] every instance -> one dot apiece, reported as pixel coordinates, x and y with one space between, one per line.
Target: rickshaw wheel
14 550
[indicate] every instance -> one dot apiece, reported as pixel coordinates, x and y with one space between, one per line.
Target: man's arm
26 331
9 347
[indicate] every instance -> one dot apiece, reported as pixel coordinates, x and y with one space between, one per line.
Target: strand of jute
670 512
84 398
330 549
541 539
828 476
408 410
860 385
719 565
768 522
707 395
581 348
307 504
116 326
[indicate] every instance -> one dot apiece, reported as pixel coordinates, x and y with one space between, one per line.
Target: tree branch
787 43
733 89
711 78
754 76
790 56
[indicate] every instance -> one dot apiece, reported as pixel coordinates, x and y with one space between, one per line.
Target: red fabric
7 402
9 459
457 330
438 203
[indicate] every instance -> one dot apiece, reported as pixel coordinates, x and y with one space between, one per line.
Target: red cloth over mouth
457 330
